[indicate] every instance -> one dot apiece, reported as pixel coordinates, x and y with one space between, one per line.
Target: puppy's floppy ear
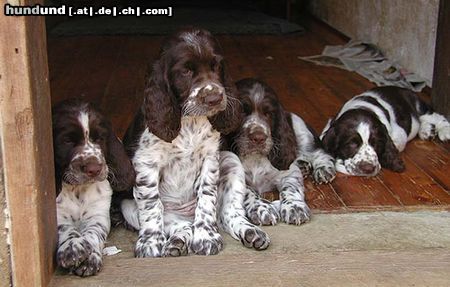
284 150
329 140
161 109
390 158
121 172
230 119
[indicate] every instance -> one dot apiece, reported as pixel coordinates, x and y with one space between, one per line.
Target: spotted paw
295 212
305 167
72 252
254 237
206 241
324 174
149 244
427 131
263 213
175 247
90 266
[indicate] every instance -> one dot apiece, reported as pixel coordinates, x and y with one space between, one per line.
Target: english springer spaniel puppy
89 163
271 142
372 129
174 145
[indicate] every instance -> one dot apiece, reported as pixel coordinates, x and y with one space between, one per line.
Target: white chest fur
260 174
179 162
77 202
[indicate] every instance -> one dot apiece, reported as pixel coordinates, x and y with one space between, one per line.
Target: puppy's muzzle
211 95
90 168
257 137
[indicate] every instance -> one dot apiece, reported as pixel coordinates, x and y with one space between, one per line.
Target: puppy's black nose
213 99
257 137
366 168
92 169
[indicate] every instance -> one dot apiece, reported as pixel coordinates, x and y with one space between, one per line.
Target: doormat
218 21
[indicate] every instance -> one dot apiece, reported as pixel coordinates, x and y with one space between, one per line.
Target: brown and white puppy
89 163
372 128
271 142
174 145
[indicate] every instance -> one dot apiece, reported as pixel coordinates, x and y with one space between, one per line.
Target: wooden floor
109 71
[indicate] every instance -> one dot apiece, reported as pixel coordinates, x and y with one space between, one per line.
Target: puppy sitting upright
372 129
174 145
86 151
270 143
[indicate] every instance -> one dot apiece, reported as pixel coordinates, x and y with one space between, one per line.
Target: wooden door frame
26 145
441 77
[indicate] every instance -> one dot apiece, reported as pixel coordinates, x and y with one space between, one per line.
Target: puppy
174 145
371 130
89 163
270 143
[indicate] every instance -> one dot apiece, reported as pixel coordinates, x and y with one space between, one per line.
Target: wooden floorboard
109 71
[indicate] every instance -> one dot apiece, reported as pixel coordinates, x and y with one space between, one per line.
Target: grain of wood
27 148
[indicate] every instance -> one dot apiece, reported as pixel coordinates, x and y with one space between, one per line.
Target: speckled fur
173 174
83 225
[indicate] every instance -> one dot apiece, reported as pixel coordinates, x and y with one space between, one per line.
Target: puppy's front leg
259 210
150 210
232 212
73 248
95 225
206 237
83 225
293 208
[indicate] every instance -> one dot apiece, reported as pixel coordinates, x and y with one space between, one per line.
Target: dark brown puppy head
86 149
189 79
361 144
267 127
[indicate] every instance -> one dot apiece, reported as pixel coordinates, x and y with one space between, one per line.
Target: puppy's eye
68 141
247 109
98 139
214 65
267 111
353 144
186 73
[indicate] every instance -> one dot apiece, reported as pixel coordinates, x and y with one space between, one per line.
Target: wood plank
123 91
27 148
323 198
361 191
65 83
354 268
414 186
441 75
431 159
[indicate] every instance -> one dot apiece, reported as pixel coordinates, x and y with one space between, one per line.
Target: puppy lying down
372 128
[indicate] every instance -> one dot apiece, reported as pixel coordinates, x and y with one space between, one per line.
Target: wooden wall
25 129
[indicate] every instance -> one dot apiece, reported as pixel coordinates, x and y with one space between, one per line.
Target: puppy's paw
427 131
263 213
206 240
324 174
150 244
73 252
444 133
305 167
295 212
254 237
175 247
90 266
